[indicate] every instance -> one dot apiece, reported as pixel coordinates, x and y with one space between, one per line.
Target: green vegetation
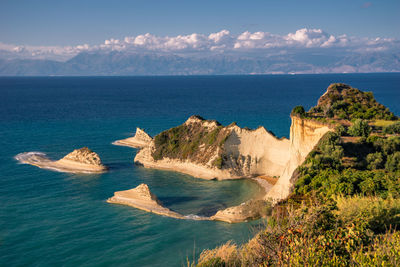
359 128
392 128
345 206
191 141
339 232
382 123
341 101
299 111
373 169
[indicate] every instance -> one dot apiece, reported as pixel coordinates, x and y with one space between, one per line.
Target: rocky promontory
141 139
140 197
81 160
206 149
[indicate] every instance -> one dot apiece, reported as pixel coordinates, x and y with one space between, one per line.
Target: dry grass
226 252
382 123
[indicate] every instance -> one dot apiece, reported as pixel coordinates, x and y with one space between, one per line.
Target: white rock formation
140 197
81 160
247 153
304 136
141 139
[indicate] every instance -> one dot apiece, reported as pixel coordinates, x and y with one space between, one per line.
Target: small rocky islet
82 160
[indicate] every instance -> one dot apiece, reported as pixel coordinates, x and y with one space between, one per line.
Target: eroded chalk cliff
304 135
206 149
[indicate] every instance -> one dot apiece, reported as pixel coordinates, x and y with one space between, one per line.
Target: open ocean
58 219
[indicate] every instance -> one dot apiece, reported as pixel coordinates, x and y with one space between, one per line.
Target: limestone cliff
249 153
141 139
206 149
304 135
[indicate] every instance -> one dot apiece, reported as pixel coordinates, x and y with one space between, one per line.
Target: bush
392 129
341 130
299 110
375 213
384 251
374 161
360 128
393 162
389 145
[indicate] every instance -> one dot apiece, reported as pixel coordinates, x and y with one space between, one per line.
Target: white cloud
222 41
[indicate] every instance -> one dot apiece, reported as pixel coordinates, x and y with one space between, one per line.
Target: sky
61 23
59 30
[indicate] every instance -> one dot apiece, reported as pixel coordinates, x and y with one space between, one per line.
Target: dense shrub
344 102
341 130
393 162
392 129
299 110
360 128
375 213
375 161
184 142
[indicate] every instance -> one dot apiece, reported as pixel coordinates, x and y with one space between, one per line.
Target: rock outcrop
81 160
140 197
141 139
249 210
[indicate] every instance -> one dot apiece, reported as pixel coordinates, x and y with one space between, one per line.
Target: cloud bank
259 43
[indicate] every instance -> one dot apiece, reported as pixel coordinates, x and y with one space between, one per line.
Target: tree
393 162
299 110
360 128
375 161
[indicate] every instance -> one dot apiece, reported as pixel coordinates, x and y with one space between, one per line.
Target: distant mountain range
128 63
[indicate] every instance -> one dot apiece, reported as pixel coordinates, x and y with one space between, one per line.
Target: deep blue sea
58 219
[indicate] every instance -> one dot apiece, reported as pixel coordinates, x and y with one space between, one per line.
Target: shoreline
188 168
141 198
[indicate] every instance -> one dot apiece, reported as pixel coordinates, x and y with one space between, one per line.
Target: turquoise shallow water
50 218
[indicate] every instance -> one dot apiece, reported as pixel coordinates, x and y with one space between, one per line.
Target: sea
49 218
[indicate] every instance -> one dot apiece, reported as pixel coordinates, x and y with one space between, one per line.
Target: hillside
344 206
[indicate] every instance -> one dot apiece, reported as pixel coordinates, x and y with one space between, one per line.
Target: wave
196 217
26 157
40 159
